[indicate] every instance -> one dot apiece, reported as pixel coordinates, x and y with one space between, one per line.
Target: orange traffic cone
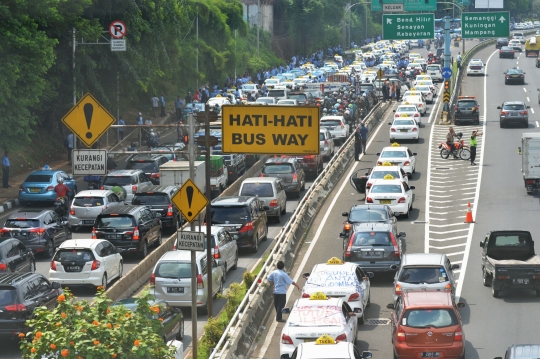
468 217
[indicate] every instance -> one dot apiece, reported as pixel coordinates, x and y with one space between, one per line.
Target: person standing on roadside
155 105
363 134
459 60
473 144
179 105
162 102
384 90
189 98
357 144
392 91
280 280
5 170
69 142
398 90
121 129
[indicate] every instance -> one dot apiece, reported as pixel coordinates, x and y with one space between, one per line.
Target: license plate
35 190
521 281
88 221
514 75
309 340
175 289
385 201
403 130
73 268
113 236
514 114
373 254
430 354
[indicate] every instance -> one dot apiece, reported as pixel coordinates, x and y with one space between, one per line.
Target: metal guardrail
246 320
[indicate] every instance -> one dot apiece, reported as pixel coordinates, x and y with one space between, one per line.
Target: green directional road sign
410 5
408 26
485 24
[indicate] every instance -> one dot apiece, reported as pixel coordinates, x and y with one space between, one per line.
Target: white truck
176 173
530 160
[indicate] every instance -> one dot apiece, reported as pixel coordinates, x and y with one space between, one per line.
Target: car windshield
375 239
381 174
21 223
512 240
173 270
404 122
332 278
433 68
88 201
429 318
326 123
257 189
277 168
321 137
316 316
229 214
413 99
385 188
145 166
364 88
388 154
150 199
276 93
115 222
514 71
507 48
117 181
265 100
406 109
466 104
39 178
73 255
423 88
514 107
298 97
7 296
427 275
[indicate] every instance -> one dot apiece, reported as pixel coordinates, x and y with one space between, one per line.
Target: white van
519 36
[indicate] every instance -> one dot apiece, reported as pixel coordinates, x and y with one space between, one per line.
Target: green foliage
248 278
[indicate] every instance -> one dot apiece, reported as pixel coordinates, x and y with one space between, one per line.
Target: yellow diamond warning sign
88 120
189 200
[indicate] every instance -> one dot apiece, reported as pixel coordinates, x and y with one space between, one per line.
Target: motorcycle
61 207
460 148
94 182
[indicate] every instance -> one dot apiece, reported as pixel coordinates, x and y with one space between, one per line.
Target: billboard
273 130
489 4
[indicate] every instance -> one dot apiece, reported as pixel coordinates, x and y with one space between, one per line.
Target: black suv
244 218
41 230
289 170
131 228
501 41
15 257
158 198
149 164
20 294
466 110
368 213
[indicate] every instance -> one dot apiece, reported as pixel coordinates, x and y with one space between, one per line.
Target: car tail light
529 181
247 227
21 188
341 337
500 51
504 113
401 200
401 335
102 187
15 308
200 283
72 211
50 188
379 163
261 175
456 108
368 185
414 129
4 230
53 265
217 255
95 265
169 211
458 334
295 178
154 175
448 288
523 112
407 163
325 142
369 200
94 233
420 105
39 231
153 279
347 226
398 290
342 126
135 236
392 129
273 203
305 295
536 276
355 297
521 76
476 108
3 266
507 76
134 189
416 115
397 253
348 251
285 339
396 115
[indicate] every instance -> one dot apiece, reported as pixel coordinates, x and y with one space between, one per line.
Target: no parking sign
117 29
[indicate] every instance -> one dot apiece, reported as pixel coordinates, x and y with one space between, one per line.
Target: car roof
213 229
232 201
387 181
154 188
261 180
412 259
180 256
390 148
513 103
386 168
280 160
123 172
30 213
145 157
372 226
128 209
335 117
346 266
369 206
45 172
427 299
306 302
81 243
10 279
524 351
93 192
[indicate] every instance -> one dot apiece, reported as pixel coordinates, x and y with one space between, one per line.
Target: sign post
408 26
485 24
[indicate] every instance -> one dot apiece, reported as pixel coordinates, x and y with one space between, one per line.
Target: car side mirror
498 358
370 274
366 355
461 305
412 187
390 123
286 310
343 235
414 154
305 275
528 106
482 244
56 285
345 214
378 153
390 306
402 234
498 107
454 266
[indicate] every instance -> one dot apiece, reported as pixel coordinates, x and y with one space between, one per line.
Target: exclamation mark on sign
88 112
189 192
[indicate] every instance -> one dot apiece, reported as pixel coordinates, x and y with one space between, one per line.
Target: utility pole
209 258
258 24
446 47
191 153
197 40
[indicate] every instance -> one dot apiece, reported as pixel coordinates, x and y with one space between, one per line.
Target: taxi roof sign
318 296
334 260
388 177
395 144
387 163
403 115
325 339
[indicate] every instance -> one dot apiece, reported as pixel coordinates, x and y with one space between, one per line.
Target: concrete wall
267 15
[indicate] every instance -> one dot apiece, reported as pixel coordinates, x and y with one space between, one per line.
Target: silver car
513 112
425 272
87 205
326 144
224 246
171 278
270 191
130 180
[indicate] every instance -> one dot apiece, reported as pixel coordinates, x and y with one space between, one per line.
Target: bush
248 278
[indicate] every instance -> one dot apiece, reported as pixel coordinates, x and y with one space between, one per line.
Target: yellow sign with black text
274 130
88 120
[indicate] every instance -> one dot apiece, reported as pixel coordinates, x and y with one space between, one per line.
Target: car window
21 223
358 215
108 249
372 239
278 168
257 189
89 201
12 250
204 266
399 307
406 109
117 181
115 222
31 288
47 219
113 198
381 174
39 178
151 199
7 296
512 240
424 318
466 104
404 123
173 270
146 166
399 154
386 188
420 275
232 214
44 286
143 177
514 107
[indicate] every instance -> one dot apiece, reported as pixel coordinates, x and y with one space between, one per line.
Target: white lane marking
434 109
300 270
528 99
452 246
537 125
532 110
524 89
476 196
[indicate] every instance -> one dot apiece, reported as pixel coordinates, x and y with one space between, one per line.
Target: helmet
60 180
338 101
325 110
140 114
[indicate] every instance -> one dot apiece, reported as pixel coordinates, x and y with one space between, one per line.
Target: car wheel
486 278
494 292
224 272
277 219
526 124
391 140
32 268
368 299
361 319
501 124
303 188
180 334
49 253
265 237
235 265
284 209
144 252
202 310
104 281
159 239
256 244
120 270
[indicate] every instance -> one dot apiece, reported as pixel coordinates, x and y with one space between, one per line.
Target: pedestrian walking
398 90
5 170
363 134
473 144
357 144
69 142
155 105
280 280
162 103
393 91
459 60
121 129
384 91
179 105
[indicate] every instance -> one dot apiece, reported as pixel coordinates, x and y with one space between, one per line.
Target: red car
427 325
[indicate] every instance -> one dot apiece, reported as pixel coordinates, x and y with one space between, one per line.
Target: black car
149 164
15 257
244 218
172 325
514 76
41 230
289 170
20 294
158 198
506 51
501 41
131 228
466 110
371 213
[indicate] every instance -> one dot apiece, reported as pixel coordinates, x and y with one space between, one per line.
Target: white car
476 67
326 144
313 317
271 82
337 126
516 45
267 100
378 172
404 128
418 101
94 262
421 78
340 280
426 92
325 347
288 102
409 110
435 72
393 192
414 66
218 100
429 83
398 156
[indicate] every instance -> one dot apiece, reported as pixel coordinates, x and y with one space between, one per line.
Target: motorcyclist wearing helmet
62 190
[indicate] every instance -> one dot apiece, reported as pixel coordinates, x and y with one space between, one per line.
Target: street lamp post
461 12
344 25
